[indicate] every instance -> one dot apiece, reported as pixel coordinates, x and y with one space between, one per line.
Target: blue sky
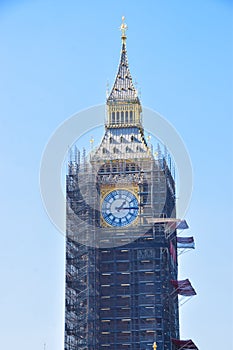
56 58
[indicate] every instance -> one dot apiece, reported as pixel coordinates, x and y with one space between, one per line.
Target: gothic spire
123 89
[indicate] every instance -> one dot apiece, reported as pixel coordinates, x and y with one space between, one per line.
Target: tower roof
123 89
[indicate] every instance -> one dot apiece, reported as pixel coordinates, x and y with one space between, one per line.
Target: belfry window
122 117
117 117
126 117
131 116
113 117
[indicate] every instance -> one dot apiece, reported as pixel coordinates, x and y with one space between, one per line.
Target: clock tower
121 254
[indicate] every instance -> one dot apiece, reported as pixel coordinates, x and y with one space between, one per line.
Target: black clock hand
119 208
130 208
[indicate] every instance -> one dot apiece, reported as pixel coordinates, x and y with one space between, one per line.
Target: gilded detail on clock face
120 208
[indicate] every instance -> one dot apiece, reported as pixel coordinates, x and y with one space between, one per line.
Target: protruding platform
184 344
183 288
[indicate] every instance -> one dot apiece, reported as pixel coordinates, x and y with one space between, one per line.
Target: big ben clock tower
121 255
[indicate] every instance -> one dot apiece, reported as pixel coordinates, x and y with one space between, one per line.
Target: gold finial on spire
155 346
123 29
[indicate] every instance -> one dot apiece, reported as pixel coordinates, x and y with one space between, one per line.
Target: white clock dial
120 208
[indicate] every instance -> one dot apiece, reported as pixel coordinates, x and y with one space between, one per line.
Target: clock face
120 208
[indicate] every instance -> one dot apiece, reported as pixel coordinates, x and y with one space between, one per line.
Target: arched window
132 138
104 150
131 116
113 117
114 150
122 117
127 149
126 117
111 140
121 139
117 117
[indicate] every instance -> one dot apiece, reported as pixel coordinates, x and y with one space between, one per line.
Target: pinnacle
123 89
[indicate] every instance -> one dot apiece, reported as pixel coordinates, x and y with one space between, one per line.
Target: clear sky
56 58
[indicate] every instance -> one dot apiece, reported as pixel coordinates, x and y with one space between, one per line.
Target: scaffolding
117 290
